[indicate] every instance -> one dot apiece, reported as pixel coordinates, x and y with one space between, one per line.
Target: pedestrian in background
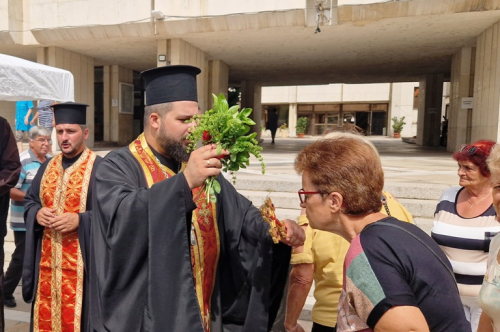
31 160
45 116
10 167
272 122
24 117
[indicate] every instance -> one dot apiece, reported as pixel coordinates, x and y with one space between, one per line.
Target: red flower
206 136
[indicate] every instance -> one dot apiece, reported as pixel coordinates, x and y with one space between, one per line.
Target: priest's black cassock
141 255
34 234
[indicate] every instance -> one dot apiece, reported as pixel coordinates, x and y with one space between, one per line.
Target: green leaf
245 113
249 122
216 185
234 110
213 199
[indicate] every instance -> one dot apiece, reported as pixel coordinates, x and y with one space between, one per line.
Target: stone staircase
419 199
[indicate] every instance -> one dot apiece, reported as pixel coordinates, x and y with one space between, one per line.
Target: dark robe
34 234
143 278
10 168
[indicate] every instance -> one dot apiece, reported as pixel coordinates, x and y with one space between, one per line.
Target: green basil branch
226 127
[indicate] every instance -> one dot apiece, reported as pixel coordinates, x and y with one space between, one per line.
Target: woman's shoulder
450 194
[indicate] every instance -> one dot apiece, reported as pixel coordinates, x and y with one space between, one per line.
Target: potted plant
301 126
284 130
397 126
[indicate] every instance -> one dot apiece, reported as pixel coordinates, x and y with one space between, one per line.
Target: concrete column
19 22
461 85
118 126
106 97
162 49
82 68
218 79
429 110
292 119
292 110
401 104
114 98
251 96
179 52
486 109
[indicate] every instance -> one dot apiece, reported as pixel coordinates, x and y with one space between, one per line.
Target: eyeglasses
469 149
43 140
303 195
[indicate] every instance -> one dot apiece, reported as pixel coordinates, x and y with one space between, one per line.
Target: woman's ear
336 202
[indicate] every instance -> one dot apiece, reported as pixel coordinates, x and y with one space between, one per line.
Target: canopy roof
26 80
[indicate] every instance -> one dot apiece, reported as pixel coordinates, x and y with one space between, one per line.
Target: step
287 183
424 224
416 191
419 207
287 200
284 200
291 184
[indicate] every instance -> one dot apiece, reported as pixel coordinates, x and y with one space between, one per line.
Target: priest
58 212
165 258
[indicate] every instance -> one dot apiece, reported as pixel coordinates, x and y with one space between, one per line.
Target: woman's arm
402 319
485 323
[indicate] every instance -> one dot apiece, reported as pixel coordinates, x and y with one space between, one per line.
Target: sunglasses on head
469 149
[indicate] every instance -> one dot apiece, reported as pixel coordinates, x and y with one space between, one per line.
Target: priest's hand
295 235
203 163
45 216
66 222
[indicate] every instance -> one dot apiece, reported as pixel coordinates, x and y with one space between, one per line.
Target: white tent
26 80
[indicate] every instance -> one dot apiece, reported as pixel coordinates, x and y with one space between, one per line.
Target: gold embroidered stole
205 246
58 304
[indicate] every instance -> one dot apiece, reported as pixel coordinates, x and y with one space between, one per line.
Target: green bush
301 125
398 124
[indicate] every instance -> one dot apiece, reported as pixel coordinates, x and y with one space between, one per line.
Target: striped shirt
29 167
45 113
465 241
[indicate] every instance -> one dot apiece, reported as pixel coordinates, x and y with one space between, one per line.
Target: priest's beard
175 148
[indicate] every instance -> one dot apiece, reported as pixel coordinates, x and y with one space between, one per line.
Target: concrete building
370 107
250 44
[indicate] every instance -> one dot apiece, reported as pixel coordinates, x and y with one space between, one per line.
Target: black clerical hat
170 83
70 113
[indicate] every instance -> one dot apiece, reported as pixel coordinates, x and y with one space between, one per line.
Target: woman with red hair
465 223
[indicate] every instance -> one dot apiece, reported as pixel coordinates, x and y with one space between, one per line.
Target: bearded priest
58 211
166 259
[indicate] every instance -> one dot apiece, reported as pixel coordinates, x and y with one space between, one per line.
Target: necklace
161 167
482 199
